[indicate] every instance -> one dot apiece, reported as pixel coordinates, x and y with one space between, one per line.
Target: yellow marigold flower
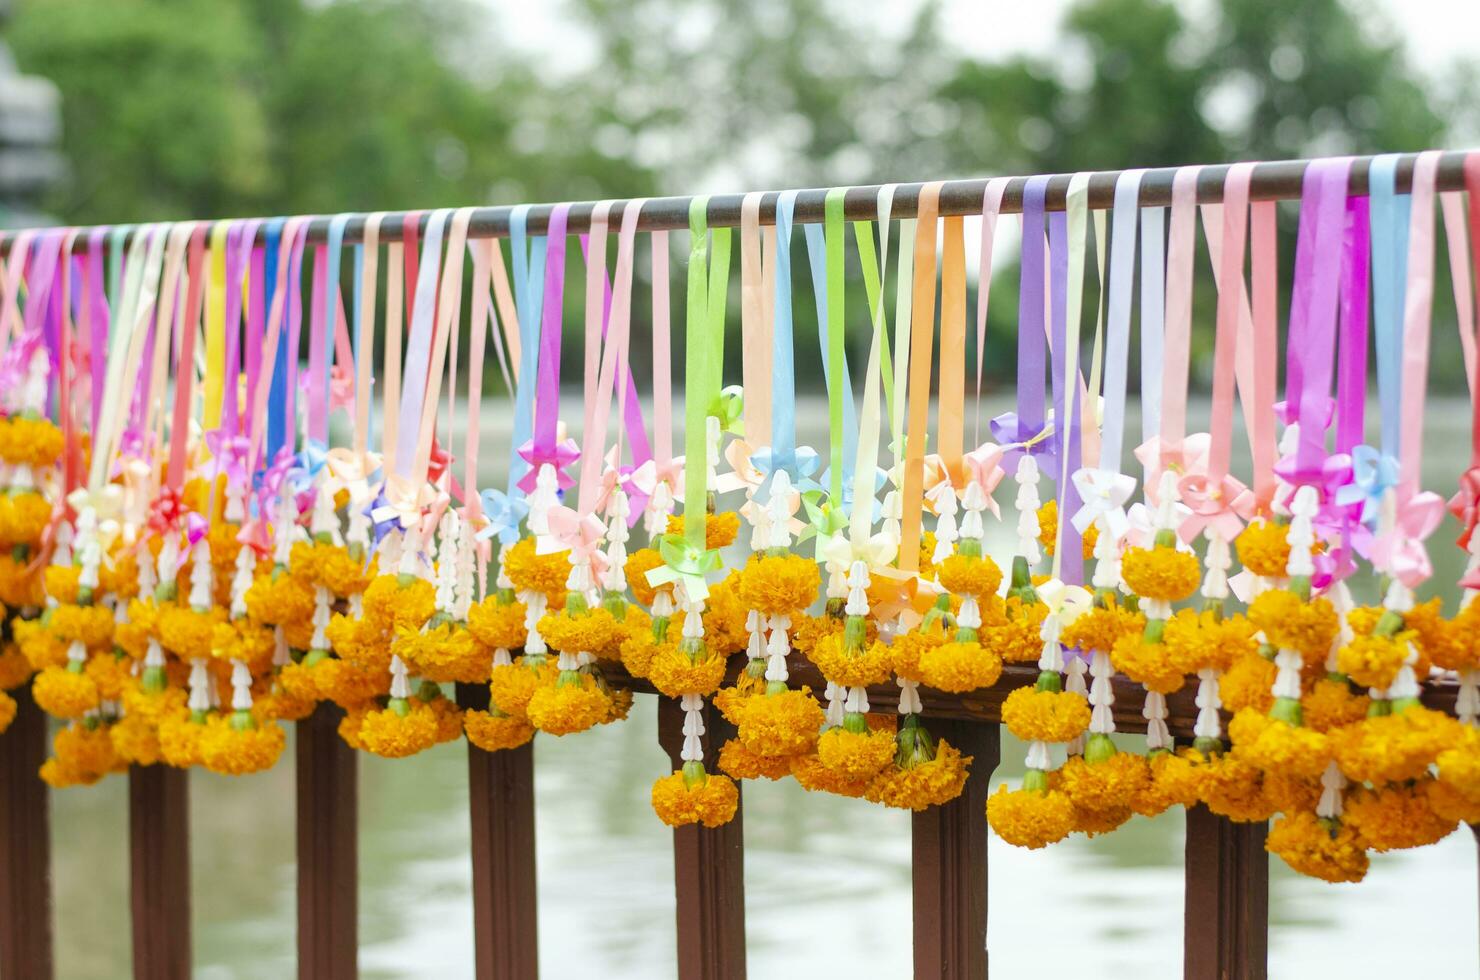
1045 716
1048 531
639 563
1374 661
1093 823
449 717
1232 788
82 757
18 586
534 572
139 703
855 756
279 599
15 669
493 733
1160 573
187 633
299 681
398 607
1327 849
350 725
63 693
969 575
234 751
1017 638
498 624
1294 623
930 783
511 686
344 683
279 705
1262 548
330 566
135 739
35 442
1107 785
1247 683
720 530
394 735
445 653
1101 628
93 625
23 517
110 673
676 673
362 642
1273 745
808 631
907 649
1287 793
567 707
595 631
724 618
1438 640
959 667
619 703
815 777
638 651
712 801
1331 704
1393 748
60 582
1147 664
1030 818
738 762
122 576
1174 782
1203 641
38 644
1463 652
779 585
7 711
1459 765
853 668
1397 816
180 739
781 724
1449 803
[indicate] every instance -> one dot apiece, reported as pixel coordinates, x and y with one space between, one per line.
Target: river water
827 880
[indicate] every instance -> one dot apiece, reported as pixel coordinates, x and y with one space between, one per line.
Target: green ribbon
729 408
703 359
684 562
863 235
825 518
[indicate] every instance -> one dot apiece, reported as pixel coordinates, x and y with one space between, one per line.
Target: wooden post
708 867
1226 922
159 870
505 900
950 863
25 846
328 834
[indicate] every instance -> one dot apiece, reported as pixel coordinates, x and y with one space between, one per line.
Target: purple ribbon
1066 433
1012 429
547 390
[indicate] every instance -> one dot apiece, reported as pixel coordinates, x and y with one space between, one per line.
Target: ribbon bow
984 468
1016 440
1065 602
1465 504
1373 474
729 407
106 504
1400 551
351 471
580 535
559 456
1188 455
504 513
308 463
637 482
229 451
824 519
1223 506
876 550
400 503
682 562
799 463
1104 494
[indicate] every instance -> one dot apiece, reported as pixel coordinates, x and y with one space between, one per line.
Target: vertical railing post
159 870
505 899
950 863
25 846
1226 922
708 867
328 848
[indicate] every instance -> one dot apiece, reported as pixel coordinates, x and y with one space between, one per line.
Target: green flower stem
694 774
1049 680
776 687
199 717
154 680
315 656
242 721
1155 628
400 706
1165 538
1035 780
1300 585
1021 583
969 548
575 603
568 678
616 604
915 746
1208 745
855 722
939 612
660 629
1379 708
855 633
428 690
1390 623
1288 711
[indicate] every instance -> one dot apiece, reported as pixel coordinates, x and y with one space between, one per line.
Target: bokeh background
135 110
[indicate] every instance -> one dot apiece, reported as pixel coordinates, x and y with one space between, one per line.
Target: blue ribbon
529 300
783 454
817 261
504 514
1390 211
277 399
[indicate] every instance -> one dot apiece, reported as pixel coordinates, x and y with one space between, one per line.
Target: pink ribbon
1222 506
1401 550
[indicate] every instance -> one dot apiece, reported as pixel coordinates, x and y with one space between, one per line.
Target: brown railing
1225 925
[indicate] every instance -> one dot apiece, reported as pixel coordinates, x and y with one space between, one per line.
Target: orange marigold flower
394 734
135 739
1293 623
855 756
1374 661
235 751
720 530
1275 746
968 575
1247 684
639 563
1331 704
568 706
1393 748
1262 548
61 582
1147 664
779 585
1107 785
595 631
493 733
498 624
512 685
92 625
396 606
1174 782
1048 531
815 777
1232 788
1045 716
1030 818
712 801
781 724
64 693
739 762
851 668
1101 628
675 672
932 782
1018 637
1398 816
1205 641
1326 849
279 599
15 669
7 711
1160 573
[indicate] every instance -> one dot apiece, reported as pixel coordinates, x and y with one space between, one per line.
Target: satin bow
1373 474
167 511
1065 602
401 503
682 562
106 503
984 468
729 408
1465 504
1223 506
504 514
880 478
1188 455
1104 494
1401 551
351 471
799 463
580 535
876 550
229 452
307 464
1017 440
637 482
824 519
559 456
